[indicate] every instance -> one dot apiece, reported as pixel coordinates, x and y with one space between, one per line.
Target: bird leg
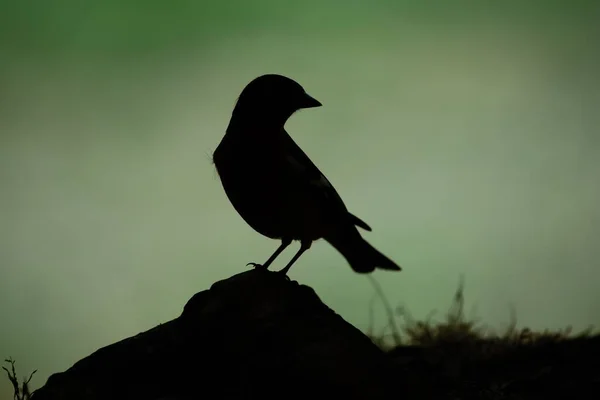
284 243
304 245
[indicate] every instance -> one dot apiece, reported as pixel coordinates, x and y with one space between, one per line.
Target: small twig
20 393
389 310
371 316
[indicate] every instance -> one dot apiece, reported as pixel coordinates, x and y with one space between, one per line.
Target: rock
254 335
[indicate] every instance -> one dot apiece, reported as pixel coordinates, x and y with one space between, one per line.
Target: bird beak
310 102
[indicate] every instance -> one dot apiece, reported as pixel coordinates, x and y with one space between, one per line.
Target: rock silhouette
259 335
254 335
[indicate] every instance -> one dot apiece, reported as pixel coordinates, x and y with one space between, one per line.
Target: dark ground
258 335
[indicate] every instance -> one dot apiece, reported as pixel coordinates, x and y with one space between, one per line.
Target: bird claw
255 265
282 272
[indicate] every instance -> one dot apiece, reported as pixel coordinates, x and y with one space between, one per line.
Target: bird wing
314 180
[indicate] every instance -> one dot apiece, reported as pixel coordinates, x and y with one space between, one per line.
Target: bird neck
241 121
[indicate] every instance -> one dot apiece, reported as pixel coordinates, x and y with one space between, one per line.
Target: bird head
271 99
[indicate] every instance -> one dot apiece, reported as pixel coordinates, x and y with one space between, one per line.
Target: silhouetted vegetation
461 357
21 392
456 329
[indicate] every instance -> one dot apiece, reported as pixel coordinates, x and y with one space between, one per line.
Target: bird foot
283 274
256 266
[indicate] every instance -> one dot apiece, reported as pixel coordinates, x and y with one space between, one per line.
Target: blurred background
465 134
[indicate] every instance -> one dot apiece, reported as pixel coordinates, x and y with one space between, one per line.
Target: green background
465 134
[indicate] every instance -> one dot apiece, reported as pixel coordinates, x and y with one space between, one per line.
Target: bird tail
362 257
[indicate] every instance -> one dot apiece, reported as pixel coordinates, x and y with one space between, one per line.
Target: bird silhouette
276 188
